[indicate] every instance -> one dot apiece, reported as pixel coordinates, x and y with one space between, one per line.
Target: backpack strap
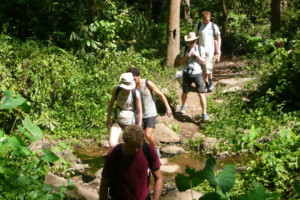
146 82
213 28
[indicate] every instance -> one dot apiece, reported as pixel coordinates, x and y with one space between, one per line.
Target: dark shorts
187 81
149 122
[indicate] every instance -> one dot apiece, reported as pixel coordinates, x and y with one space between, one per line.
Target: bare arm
110 108
139 110
218 48
154 88
103 190
158 183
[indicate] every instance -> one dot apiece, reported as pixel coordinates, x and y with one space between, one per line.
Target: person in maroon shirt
125 171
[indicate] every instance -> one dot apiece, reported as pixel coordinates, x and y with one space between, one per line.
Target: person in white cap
128 108
190 57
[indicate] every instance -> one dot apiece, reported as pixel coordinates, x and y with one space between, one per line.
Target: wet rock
164 134
172 150
104 143
182 195
169 168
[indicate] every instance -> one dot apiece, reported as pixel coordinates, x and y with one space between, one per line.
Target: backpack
212 26
133 97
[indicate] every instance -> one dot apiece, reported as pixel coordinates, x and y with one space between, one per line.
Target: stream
193 159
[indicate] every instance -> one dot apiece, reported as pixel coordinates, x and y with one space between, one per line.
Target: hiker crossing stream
174 135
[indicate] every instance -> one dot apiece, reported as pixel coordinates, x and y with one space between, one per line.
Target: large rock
186 195
209 144
164 134
172 150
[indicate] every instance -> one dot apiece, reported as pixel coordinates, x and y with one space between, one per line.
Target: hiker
190 57
129 103
146 88
125 173
210 45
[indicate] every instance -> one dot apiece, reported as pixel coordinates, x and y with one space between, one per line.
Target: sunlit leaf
9 101
49 156
33 129
226 178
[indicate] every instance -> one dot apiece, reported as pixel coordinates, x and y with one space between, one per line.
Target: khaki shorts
207 68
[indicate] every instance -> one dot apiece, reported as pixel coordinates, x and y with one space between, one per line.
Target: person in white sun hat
190 58
128 108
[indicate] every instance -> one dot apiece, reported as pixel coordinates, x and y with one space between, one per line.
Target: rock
209 144
98 174
55 181
170 168
173 150
186 195
234 81
104 143
232 89
162 133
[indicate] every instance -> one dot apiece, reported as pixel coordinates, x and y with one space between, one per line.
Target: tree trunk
150 8
173 32
186 4
275 16
225 17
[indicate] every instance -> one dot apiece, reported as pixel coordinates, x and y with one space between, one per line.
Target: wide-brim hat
126 81
190 37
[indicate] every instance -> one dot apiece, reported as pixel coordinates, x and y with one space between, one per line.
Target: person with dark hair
125 172
190 57
147 88
209 46
129 105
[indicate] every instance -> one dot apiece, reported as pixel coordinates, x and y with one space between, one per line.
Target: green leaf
208 171
253 133
2 170
8 101
257 193
49 156
297 187
33 129
226 178
14 142
210 196
184 183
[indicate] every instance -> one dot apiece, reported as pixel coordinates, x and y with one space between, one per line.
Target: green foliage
222 183
22 171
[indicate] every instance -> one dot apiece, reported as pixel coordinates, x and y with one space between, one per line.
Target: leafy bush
22 171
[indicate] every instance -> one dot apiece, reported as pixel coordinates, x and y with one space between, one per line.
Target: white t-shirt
126 115
192 61
206 38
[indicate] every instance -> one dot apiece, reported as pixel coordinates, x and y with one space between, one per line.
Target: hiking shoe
205 117
210 85
207 86
183 109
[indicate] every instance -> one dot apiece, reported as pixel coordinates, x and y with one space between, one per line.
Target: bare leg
202 99
184 98
150 137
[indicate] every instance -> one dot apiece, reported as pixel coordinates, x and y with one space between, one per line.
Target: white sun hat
126 81
190 37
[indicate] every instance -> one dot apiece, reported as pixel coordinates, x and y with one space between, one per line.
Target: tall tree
275 16
173 32
225 16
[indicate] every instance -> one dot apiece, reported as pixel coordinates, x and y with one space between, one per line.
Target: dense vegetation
65 57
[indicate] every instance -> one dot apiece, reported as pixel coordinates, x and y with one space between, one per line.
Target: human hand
169 112
217 57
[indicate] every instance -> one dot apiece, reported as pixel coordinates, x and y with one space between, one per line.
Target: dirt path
190 123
